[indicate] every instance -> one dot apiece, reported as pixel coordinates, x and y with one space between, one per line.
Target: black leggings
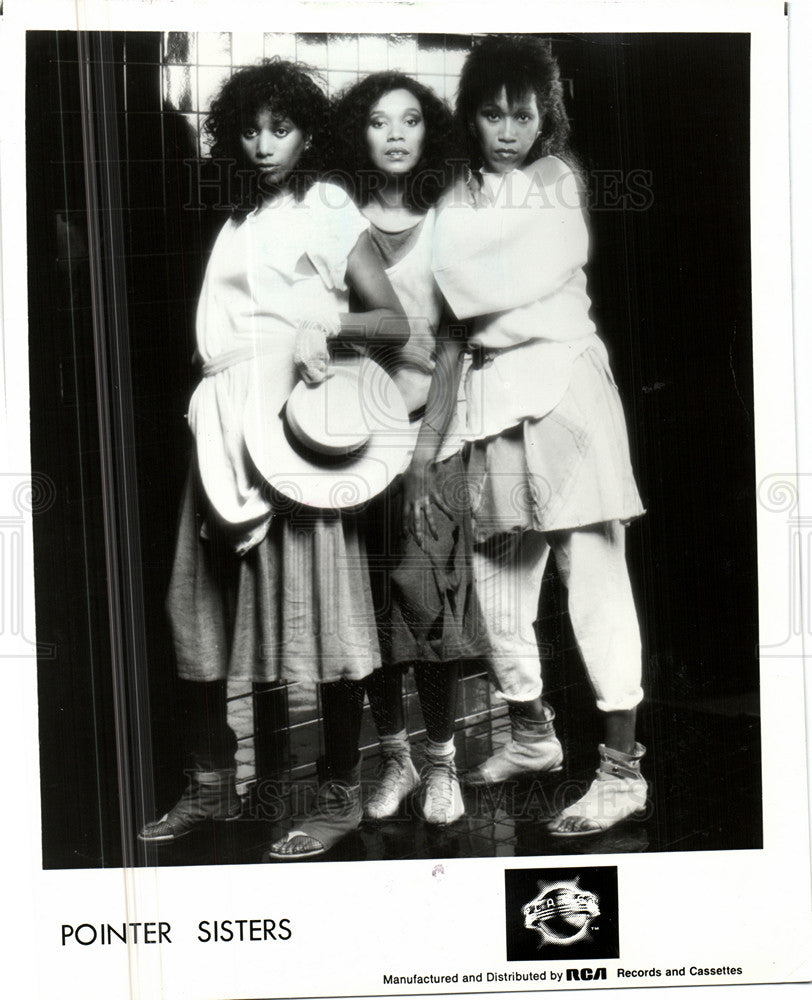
437 687
212 744
342 706
209 739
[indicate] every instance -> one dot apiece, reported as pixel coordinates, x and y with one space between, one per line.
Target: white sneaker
398 778
440 796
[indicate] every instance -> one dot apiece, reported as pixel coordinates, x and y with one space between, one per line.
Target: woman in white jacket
548 461
263 589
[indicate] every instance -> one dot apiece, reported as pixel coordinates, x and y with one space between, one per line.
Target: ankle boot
210 795
440 796
532 747
618 792
397 778
336 813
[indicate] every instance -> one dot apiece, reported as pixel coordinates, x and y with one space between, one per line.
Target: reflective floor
705 794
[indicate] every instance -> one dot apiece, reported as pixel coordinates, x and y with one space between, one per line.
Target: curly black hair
350 153
291 90
520 64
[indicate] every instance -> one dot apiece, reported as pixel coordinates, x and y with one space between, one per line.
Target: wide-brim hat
333 445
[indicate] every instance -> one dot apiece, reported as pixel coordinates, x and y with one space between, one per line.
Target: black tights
210 741
437 687
342 705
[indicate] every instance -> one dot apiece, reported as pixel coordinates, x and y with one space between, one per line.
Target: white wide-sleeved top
284 261
513 263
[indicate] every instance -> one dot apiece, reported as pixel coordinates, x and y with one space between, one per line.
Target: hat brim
330 482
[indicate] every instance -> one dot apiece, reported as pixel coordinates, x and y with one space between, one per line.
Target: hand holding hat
332 445
311 354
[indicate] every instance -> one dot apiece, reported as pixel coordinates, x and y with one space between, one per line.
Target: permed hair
350 155
520 64
291 90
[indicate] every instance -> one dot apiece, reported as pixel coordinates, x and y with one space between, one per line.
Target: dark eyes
411 121
280 131
495 116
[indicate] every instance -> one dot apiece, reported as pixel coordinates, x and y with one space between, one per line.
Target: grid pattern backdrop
195 64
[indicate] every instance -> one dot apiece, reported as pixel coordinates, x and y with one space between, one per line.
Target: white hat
332 445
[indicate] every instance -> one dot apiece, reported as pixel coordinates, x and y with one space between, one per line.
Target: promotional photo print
412 506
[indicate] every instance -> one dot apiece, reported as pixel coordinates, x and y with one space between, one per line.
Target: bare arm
440 406
384 321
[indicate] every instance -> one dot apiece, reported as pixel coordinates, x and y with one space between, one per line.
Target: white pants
591 563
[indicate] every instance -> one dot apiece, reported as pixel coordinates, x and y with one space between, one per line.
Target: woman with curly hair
249 568
393 147
548 461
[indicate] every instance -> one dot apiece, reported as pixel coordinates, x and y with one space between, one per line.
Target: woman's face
396 133
273 145
506 130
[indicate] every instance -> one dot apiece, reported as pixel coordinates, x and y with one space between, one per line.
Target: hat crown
330 418
333 445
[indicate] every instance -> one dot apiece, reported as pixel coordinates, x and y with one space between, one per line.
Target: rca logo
567 915
562 913
586 975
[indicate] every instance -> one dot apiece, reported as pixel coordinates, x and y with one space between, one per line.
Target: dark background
671 288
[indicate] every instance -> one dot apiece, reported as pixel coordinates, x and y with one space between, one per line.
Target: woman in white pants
548 462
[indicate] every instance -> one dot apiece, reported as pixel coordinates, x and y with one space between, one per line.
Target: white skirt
565 470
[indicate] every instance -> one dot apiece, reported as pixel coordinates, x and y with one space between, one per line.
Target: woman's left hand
420 506
310 352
